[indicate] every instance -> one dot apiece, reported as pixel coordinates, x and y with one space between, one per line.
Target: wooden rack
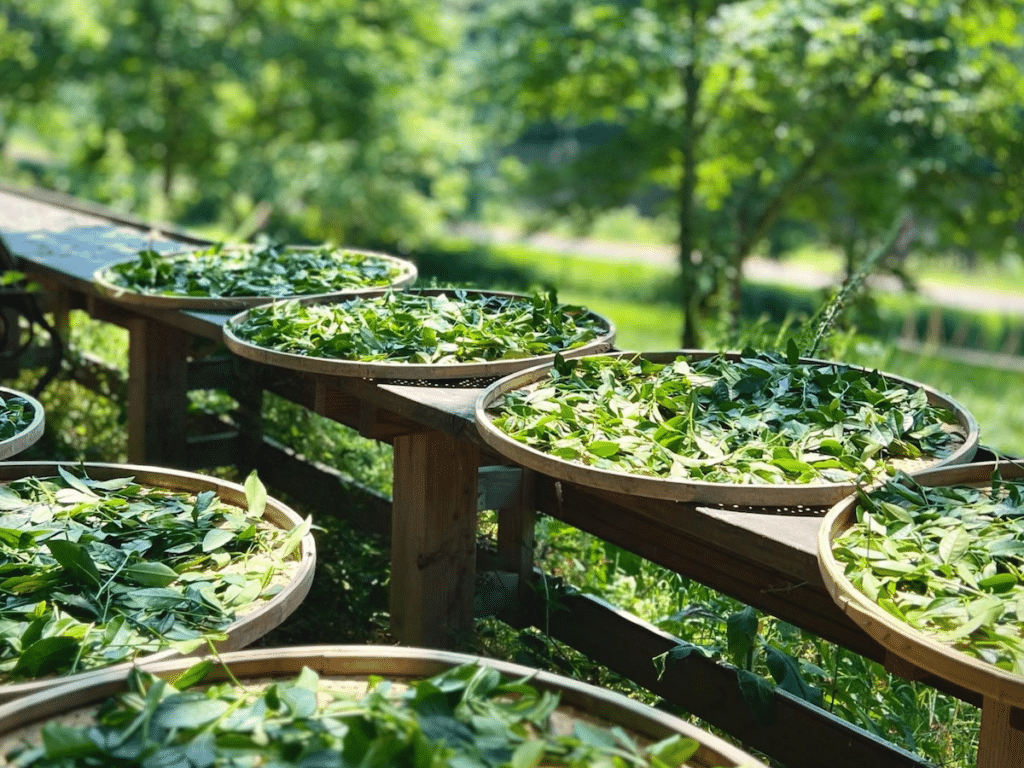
764 558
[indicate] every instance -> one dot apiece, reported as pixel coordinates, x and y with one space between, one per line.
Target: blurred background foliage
742 128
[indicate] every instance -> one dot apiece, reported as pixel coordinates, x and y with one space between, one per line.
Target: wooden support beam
1001 744
516 523
433 539
157 393
335 404
799 735
219 449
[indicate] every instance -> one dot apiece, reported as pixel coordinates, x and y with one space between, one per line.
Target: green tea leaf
255 495
44 656
217 538
194 674
151 574
66 742
75 559
189 711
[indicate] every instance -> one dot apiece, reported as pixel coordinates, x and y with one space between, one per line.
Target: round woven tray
407 276
28 436
408 372
904 641
740 495
252 623
347 667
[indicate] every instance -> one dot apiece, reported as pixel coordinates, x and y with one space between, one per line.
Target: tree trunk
689 296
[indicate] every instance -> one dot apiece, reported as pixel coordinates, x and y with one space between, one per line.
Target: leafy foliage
96 572
758 419
736 118
334 120
16 414
455 326
948 561
468 715
270 270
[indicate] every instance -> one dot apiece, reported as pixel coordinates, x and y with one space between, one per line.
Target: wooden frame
766 559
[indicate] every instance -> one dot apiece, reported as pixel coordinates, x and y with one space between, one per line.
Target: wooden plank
334 403
516 528
157 393
1001 743
758 582
218 449
433 539
323 488
799 736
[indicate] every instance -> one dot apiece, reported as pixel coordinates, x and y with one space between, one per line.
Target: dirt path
965 296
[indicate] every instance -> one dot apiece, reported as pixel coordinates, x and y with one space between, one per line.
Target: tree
333 114
745 111
34 59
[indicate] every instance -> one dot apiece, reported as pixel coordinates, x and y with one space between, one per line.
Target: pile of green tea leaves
16 414
457 326
466 716
949 561
97 572
270 270
755 420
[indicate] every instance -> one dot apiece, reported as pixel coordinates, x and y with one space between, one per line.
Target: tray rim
899 638
700 492
359 660
384 370
129 297
241 632
30 435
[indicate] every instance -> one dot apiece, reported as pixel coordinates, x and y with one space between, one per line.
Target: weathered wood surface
433 539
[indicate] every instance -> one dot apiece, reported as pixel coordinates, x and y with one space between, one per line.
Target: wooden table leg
433 539
157 392
1001 744
516 523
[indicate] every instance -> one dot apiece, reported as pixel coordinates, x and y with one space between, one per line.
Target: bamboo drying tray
1002 732
905 641
28 436
473 373
693 491
347 667
260 618
407 276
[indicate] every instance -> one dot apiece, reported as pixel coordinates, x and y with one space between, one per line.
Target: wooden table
765 558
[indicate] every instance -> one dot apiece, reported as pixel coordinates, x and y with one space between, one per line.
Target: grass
1002 274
